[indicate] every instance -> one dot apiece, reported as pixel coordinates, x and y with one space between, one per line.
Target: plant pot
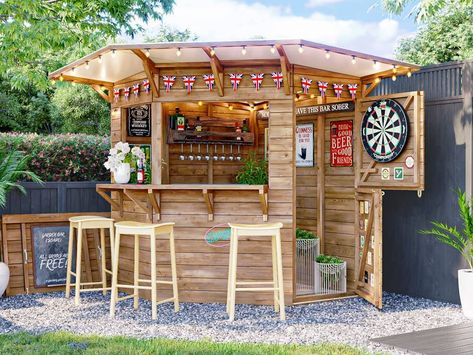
122 175
4 277
465 287
330 278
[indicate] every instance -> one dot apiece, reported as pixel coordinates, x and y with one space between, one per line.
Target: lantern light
147 53
243 50
178 52
301 48
327 54
273 49
353 59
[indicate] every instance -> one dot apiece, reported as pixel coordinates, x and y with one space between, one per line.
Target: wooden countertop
152 207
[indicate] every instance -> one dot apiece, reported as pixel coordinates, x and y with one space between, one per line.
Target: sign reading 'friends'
326 108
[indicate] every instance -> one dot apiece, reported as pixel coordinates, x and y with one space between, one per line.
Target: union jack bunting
322 88
209 81
257 80
352 89
168 81
277 77
146 86
188 83
116 94
338 88
306 83
126 92
136 89
235 80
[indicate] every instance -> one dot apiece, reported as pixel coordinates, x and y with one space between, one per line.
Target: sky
344 23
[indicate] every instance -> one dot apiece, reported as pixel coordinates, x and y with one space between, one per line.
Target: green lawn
66 343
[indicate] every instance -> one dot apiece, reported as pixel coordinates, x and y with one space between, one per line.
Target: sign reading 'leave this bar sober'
326 108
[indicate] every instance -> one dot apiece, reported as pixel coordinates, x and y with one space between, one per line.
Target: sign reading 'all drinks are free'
341 138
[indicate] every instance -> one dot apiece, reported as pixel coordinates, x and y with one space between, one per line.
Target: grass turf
66 343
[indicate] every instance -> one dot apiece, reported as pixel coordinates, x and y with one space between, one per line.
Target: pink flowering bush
62 157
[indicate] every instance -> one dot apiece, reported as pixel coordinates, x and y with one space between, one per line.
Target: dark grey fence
56 197
414 264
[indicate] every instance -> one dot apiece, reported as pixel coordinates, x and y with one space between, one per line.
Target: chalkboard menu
139 121
50 255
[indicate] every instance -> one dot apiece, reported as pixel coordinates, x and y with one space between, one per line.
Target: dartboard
384 130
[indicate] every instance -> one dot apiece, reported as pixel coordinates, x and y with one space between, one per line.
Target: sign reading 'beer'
341 138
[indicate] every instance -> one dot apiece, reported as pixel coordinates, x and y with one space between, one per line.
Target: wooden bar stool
144 229
81 224
272 230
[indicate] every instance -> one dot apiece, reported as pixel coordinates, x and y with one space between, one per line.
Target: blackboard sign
50 255
139 121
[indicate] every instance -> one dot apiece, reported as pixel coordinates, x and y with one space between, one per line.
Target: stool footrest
95 289
125 297
73 273
158 281
133 287
257 289
90 283
166 300
109 272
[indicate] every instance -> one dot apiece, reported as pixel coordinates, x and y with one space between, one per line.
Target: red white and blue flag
188 83
209 81
168 81
322 88
146 86
116 94
136 89
235 80
277 78
352 88
338 88
257 80
126 92
306 83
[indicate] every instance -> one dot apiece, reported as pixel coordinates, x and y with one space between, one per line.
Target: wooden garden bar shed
304 106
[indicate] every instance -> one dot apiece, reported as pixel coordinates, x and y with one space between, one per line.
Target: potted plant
462 241
253 172
305 240
13 167
330 274
119 160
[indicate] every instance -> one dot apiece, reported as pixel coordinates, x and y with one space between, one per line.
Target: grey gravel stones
351 321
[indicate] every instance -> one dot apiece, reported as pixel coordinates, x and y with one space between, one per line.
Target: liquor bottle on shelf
180 121
238 131
245 127
198 126
140 172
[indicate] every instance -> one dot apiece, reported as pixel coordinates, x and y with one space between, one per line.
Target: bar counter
153 192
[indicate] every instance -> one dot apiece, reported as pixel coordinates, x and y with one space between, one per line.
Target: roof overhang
116 62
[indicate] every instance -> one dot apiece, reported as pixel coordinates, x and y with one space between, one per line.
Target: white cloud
317 3
234 20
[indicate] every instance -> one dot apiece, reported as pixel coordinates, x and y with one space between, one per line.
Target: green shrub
304 234
253 172
327 259
67 157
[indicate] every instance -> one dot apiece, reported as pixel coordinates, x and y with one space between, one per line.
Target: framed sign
139 121
347 106
305 145
341 138
50 245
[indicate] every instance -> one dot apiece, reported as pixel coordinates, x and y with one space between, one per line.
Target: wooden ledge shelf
153 193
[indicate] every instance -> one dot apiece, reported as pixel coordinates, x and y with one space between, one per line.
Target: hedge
62 157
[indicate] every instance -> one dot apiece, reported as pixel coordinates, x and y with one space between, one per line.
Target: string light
394 68
200 103
375 64
353 59
73 69
100 59
147 53
178 52
273 50
265 106
301 48
87 66
327 54
252 108
394 77
312 96
212 51
243 50
409 74
61 78
230 107
114 53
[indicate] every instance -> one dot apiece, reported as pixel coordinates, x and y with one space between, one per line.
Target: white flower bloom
126 148
113 151
119 146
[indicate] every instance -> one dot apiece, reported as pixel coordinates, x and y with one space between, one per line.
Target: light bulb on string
273 49
327 54
100 59
409 74
200 103
394 77
377 80
394 68
243 50
87 66
61 78
301 48
312 96
212 51
114 53
230 107
147 53
178 52
73 69
353 59
375 64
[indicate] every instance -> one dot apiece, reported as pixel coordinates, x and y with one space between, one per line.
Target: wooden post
320 156
157 143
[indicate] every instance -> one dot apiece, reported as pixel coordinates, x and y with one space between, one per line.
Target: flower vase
122 174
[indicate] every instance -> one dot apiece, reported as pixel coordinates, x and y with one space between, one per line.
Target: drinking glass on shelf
231 157
191 156
182 156
222 157
238 157
199 155
215 157
207 155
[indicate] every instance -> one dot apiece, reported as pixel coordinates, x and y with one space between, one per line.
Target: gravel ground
352 321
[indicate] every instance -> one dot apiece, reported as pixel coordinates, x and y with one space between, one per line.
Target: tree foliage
441 39
38 35
169 34
422 10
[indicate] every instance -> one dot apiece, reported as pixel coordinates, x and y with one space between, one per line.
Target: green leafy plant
253 172
328 259
13 168
460 241
304 234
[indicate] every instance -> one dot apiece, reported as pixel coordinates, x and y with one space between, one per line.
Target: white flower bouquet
119 159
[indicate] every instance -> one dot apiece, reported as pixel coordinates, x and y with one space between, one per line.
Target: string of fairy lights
244 51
